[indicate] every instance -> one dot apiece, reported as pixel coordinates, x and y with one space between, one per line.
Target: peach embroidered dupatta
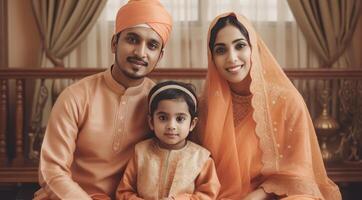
291 159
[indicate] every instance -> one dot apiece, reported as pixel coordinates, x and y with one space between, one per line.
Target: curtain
328 25
187 45
62 25
3 64
95 50
3 35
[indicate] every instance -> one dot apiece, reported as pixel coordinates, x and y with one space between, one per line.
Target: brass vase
326 126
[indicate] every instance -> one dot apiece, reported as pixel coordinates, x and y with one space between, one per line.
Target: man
96 122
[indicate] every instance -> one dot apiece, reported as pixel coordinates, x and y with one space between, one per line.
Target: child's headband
166 87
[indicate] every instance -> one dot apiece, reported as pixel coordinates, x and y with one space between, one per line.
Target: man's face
137 51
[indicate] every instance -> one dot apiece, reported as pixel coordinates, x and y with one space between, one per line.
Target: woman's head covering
150 12
290 151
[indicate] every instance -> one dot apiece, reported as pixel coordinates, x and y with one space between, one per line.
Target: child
169 166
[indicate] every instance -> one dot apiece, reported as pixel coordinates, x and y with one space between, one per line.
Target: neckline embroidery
241 107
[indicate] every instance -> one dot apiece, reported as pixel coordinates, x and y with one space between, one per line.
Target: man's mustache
137 60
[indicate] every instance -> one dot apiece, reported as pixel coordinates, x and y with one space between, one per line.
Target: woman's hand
258 194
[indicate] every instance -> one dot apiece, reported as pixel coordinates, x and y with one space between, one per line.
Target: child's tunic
156 173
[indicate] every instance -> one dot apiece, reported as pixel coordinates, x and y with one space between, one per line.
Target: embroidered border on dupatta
261 115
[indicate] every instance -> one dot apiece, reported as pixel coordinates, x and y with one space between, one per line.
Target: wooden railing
18 167
169 73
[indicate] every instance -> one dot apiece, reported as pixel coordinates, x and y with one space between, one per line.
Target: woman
256 124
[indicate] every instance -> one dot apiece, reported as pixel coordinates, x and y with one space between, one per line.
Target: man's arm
58 148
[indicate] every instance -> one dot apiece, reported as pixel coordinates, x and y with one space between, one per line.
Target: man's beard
128 74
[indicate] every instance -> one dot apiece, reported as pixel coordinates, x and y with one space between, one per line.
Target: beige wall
23 37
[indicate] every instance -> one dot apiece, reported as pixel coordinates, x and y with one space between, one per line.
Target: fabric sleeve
58 148
207 185
127 188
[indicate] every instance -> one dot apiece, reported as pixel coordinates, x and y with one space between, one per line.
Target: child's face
172 123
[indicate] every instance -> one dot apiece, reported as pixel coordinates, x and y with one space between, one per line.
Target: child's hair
173 90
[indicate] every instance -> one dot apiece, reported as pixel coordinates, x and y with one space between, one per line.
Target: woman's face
231 54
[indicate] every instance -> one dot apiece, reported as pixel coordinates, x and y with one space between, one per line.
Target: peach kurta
155 173
90 136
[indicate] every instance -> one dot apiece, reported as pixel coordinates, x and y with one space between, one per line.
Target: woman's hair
173 90
221 23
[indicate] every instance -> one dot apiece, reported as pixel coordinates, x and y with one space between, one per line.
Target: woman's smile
234 69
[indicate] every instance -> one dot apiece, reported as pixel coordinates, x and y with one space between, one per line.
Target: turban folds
150 12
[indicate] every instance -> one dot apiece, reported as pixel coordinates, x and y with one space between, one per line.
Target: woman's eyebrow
236 40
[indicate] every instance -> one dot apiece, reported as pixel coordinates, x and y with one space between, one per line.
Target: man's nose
140 50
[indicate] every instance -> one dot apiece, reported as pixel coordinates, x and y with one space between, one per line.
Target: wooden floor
26 191
20 182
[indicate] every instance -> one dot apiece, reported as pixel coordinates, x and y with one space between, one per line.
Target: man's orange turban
150 12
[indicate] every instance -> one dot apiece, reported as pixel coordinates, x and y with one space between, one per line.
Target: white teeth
233 69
